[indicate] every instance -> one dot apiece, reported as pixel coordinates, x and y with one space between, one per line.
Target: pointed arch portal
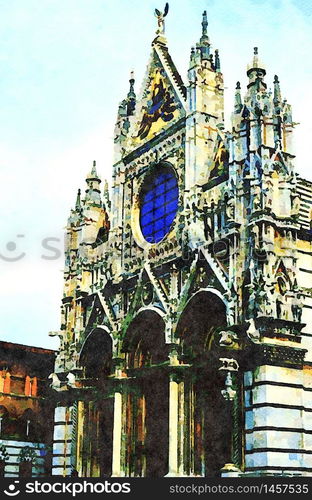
147 397
96 415
208 444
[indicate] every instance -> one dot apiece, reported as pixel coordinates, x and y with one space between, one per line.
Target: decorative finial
238 99
131 93
204 23
256 72
192 56
204 45
217 60
78 201
161 19
131 96
277 97
93 170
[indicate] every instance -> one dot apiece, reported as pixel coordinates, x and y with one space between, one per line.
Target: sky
64 67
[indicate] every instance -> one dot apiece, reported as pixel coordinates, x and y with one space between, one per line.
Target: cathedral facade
186 333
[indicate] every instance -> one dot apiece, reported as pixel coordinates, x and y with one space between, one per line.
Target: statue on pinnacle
161 19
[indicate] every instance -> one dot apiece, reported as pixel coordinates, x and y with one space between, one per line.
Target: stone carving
252 332
27 454
71 380
3 453
227 338
161 19
229 364
229 392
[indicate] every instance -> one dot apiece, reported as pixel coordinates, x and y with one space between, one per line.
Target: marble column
230 393
176 425
117 436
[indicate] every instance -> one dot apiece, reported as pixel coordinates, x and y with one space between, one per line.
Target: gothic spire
204 37
93 192
256 73
131 97
78 201
277 98
204 44
93 174
131 93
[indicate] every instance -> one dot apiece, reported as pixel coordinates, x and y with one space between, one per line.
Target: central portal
148 397
208 445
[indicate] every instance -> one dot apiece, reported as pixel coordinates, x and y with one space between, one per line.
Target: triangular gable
278 162
281 269
95 317
162 101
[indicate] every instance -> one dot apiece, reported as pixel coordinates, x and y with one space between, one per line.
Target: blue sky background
64 66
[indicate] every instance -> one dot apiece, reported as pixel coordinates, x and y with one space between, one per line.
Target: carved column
176 426
117 435
231 394
176 420
80 431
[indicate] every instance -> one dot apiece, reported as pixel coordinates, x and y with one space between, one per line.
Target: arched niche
144 341
203 316
96 416
147 398
208 443
96 354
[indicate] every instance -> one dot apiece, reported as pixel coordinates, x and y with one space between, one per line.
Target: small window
30 386
7 383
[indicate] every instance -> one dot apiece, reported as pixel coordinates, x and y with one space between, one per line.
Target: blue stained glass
160 189
171 206
159 212
159 204
159 179
149 196
171 183
159 225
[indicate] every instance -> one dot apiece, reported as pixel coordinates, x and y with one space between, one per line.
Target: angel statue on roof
161 19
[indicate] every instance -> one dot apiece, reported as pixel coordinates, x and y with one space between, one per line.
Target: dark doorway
96 358
209 417
148 436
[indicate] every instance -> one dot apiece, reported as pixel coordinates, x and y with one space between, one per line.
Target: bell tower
205 109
